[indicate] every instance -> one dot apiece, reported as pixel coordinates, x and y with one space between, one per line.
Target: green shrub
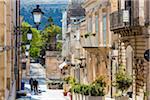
87 35
123 80
100 81
70 80
96 90
77 88
98 86
85 90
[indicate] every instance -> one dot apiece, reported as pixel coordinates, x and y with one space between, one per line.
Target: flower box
80 96
84 97
95 98
74 96
122 98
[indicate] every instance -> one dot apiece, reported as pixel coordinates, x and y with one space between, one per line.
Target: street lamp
29 38
27 46
37 15
27 53
29 34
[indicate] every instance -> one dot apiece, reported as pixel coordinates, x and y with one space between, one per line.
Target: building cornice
87 3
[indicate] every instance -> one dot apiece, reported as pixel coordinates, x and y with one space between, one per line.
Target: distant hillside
28 2
53 10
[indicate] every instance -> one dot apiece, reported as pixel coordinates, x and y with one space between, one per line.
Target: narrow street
38 72
74 49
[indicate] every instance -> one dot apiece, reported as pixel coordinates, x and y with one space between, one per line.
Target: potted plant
81 36
93 34
65 91
123 82
97 89
75 89
85 91
78 91
73 92
68 82
87 35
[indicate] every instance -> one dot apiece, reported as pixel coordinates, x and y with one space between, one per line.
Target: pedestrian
34 83
35 86
31 84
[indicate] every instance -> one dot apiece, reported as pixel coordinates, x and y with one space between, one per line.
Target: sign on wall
147 55
125 16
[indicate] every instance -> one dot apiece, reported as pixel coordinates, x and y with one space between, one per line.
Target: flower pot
122 98
74 96
95 98
84 97
80 96
65 93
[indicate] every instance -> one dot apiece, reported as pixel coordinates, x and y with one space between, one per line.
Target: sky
44 1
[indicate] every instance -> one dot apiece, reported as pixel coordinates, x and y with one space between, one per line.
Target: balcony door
104 30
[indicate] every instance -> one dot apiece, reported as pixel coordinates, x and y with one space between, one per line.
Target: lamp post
27 46
29 34
29 37
37 15
113 68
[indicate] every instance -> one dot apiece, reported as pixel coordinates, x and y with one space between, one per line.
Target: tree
36 42
51 21
51 34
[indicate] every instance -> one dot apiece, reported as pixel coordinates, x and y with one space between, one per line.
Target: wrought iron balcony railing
119 19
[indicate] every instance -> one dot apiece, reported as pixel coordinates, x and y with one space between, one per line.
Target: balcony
119 19
89 41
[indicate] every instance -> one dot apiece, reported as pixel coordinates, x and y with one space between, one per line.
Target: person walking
35 86
34 83
31 84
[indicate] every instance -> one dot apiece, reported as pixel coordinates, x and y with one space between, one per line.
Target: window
96 24
104 29
90 24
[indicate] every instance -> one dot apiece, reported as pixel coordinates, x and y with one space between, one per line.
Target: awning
61 66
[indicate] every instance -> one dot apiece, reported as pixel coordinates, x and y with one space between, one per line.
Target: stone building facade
71 38
130 21
89 42
7 53
97 40
52 63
